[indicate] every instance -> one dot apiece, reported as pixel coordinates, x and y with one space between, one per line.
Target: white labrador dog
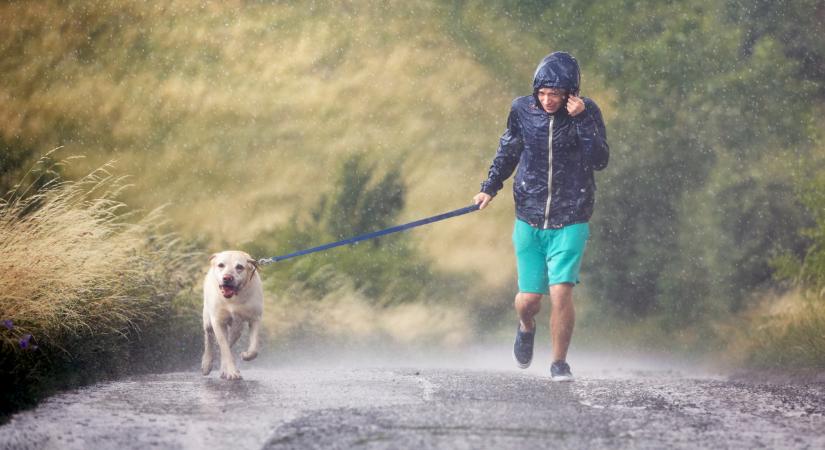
232 294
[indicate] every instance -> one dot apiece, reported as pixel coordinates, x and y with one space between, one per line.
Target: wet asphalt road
411 404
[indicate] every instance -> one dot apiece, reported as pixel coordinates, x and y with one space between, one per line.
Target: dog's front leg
206 361
228 369
252 351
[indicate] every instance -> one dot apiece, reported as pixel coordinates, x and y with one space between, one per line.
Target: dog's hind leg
208 345
252 351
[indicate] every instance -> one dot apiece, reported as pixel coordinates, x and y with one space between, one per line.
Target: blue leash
374 234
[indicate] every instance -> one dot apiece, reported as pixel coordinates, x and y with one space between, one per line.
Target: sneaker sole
562 378
520 365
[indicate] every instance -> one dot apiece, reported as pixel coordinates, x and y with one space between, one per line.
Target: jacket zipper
549 175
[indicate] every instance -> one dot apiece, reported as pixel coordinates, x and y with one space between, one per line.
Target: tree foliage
357 204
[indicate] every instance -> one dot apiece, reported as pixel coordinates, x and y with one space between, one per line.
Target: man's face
552 99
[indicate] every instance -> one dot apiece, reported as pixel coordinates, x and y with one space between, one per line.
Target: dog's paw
206 367
232 374
249 356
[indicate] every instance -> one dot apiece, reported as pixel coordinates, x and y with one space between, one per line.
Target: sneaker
523 348
560 371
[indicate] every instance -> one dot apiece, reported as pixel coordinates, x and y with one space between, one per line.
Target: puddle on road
187 410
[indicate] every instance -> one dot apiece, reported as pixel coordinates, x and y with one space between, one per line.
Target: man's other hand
481 199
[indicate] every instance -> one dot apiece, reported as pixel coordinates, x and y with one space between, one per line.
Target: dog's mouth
228 290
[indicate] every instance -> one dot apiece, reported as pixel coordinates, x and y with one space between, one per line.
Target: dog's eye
221 265
239 267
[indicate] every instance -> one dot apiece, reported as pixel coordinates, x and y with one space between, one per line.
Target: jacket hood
558 70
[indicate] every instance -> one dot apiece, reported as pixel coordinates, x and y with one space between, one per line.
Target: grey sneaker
523 348
560 371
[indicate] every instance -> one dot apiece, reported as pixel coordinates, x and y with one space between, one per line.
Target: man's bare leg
562 319
527 306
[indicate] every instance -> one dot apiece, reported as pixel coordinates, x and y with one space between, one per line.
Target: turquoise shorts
547 257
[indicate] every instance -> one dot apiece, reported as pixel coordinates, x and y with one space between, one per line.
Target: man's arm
593 136
507 157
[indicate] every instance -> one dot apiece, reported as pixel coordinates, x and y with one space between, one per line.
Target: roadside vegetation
789 328
384 289
89 289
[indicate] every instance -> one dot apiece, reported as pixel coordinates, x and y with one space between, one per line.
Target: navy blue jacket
579 146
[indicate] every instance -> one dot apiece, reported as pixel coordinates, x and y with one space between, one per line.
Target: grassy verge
87 289
786 332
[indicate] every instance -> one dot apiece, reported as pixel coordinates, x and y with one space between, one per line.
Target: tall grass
87 288
787 332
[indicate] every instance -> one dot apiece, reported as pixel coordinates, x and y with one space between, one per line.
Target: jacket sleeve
593 136
507 156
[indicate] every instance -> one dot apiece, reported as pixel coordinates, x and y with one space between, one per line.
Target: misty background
275 126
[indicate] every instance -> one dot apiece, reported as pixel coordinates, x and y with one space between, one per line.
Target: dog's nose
227 278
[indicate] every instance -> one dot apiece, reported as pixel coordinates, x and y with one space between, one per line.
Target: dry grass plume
74 262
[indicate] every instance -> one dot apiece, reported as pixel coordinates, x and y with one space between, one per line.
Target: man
556 139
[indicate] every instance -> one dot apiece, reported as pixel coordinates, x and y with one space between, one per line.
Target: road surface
409 403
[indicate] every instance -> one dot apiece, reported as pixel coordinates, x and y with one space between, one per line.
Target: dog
232 294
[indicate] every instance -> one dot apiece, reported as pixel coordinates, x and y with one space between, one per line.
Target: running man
556 139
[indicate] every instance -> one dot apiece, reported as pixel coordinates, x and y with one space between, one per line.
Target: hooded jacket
556 153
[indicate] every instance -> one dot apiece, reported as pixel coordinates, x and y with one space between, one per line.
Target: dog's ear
254 265
212 257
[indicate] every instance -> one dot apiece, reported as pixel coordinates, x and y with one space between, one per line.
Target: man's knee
528 303
528 298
